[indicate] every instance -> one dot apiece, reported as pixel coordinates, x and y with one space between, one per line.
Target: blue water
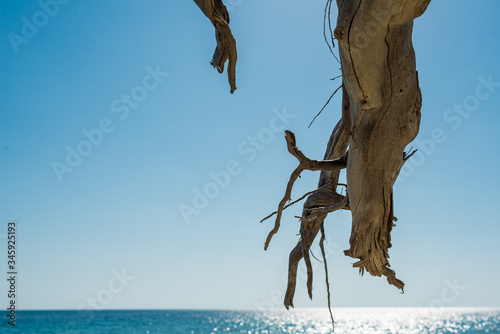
348 320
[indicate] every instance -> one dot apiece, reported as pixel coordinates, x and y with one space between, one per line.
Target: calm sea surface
348 320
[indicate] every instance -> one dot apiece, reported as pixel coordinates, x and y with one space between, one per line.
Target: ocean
348 320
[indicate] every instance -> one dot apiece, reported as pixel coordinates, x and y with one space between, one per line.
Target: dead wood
226 44
381 104
304 164
380 117
380 77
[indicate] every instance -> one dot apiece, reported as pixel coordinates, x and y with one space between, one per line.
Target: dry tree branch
292 203
381 107
305 253
304 196
338 76
334 207
327 196
309 229
311 164
336 90
327 17
286 198
407 155
304 164
322 247
217 13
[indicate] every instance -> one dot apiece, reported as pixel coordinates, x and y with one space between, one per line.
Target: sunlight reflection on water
385 320
348 320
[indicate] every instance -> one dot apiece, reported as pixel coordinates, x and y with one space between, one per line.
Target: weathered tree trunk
380 117
380 77
381 105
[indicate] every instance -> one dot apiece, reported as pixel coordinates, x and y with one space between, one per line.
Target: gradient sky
111 232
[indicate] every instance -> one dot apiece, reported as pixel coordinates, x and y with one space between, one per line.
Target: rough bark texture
380 77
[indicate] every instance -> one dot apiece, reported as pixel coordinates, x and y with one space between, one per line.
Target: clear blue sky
118 209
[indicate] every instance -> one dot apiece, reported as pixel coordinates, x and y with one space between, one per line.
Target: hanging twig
321 245
336 90
326 17
338 76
